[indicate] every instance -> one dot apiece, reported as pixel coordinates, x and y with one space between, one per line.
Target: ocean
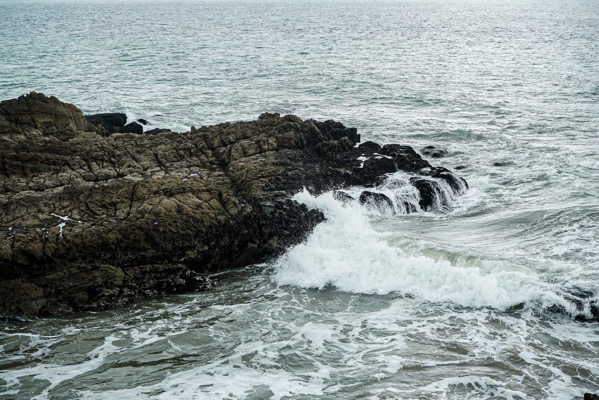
471 301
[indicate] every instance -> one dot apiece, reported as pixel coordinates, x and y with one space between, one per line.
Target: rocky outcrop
91 221
109 123
46 114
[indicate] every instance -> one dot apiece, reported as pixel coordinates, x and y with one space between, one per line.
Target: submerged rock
581 304
434 151
90 221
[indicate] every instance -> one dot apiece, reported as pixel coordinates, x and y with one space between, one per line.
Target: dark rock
18 297
337 130
157 131
110 122
143 121
376 200
369 148
409 208
589 396
428 194
332 147
405 157
585 302
132 127
375 167
90 221
434 152
443 173
502 163
343 197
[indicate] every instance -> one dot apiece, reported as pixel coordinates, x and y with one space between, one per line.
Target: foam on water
347 253
50 376
374 304
293 343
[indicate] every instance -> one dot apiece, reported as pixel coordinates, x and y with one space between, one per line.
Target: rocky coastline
96 213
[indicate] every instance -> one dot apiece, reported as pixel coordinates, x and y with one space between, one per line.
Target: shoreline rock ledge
91 220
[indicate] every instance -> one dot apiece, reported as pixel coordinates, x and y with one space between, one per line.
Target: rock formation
89 221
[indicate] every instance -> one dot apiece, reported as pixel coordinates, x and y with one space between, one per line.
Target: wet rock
405 157
376 200
585 304
108 122
376 167
428 194
409 208
343 197
132 127
434 151
589 396
91 220
453 180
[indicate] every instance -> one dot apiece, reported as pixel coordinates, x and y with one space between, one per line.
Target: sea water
464 302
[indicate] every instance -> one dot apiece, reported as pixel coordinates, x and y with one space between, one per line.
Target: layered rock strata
90 220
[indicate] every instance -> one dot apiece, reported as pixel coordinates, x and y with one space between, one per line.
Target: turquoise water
454 304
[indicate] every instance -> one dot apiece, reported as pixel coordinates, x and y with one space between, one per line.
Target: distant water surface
462 303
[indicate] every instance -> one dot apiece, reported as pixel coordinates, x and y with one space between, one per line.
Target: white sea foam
347 253
480 385
56 374
218 380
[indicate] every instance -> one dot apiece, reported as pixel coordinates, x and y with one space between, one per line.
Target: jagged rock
36 111
434 152
91 220
405 157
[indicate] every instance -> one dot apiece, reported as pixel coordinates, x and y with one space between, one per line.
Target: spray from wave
347 253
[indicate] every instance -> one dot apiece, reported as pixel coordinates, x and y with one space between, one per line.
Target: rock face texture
90 221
